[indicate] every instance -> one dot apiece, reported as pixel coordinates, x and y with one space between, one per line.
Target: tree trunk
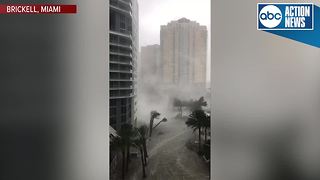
142 162
123 163
199 139
205 135
128 157
145 151
151 127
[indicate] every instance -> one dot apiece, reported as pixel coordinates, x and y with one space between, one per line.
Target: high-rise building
123 61
150 64
183 53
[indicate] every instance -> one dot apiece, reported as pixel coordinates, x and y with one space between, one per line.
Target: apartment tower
183 53
123 61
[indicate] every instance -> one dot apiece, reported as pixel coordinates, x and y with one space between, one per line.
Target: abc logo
270 16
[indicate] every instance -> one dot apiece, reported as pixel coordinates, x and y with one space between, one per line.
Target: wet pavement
169 157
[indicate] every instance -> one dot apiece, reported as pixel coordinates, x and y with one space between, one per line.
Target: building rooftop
181 21
184 20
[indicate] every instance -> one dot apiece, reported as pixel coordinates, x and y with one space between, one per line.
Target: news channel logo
285 16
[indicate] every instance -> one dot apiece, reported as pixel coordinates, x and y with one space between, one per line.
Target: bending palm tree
154 115
196 122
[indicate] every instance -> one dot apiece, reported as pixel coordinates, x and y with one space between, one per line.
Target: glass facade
123 60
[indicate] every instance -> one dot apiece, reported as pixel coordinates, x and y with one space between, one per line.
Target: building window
112 21
114 84
123 119
113 111
123 109
123 102
122 23
113 121
113 102
114 38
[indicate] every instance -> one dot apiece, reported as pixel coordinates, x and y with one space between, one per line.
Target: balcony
121 88
121 50
122 7
124 80
121 54
122 63
121 71
126 35
126 3
120 45
121 96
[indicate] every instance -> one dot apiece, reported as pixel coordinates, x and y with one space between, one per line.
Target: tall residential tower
183 53
123 61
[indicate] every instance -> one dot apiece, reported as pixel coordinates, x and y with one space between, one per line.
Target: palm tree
119 143
127 134
178 103
139 143
154 115
193 105
207 123
127 137
196 122
143 132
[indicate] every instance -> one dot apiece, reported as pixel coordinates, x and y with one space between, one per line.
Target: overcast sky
154 13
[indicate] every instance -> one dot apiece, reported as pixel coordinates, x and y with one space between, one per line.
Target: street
169 157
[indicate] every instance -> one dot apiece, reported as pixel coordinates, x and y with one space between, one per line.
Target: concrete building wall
150 64
200 55
167 55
